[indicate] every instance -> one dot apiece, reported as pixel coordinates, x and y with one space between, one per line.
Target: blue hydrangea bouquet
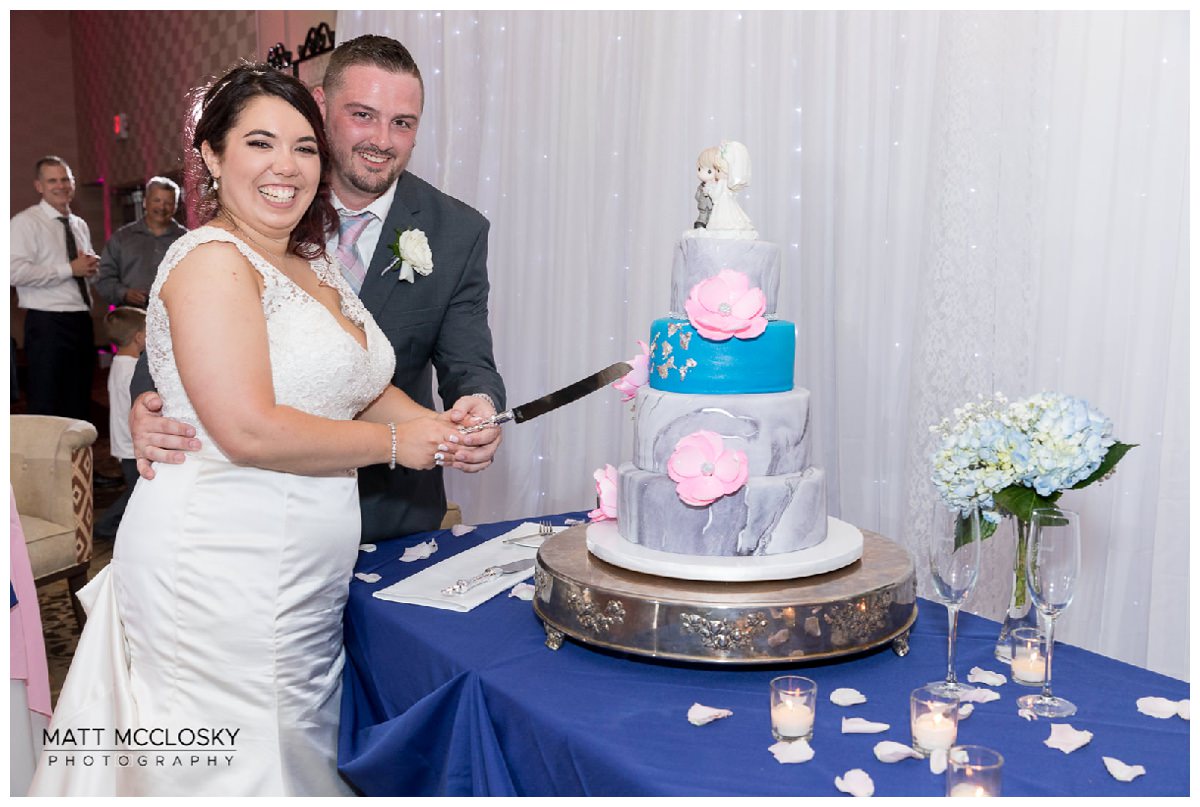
1010 458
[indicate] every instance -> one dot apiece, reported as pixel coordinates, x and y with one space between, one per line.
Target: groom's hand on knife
475 450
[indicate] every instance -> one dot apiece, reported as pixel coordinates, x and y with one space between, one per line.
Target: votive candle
1029 656
972 770
934 720
793 707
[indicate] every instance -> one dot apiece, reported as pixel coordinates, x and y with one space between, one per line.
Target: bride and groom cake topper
723 171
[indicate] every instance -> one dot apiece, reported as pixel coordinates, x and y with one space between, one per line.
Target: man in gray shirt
131 257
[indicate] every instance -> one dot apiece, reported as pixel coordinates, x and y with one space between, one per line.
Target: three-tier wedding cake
722 464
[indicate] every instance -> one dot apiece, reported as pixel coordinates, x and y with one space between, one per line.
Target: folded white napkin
425 587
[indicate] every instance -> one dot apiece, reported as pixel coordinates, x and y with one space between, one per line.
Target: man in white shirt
51 261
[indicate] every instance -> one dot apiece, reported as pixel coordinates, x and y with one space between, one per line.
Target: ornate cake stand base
861 606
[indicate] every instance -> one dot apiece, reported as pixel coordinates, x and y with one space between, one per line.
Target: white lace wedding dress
221 611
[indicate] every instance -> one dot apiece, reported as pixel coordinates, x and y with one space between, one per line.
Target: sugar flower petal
606 492
1067 738
725 306
796 751
700 715
845 696
856 782
638 377
858 725
1122 772
892 751
978 675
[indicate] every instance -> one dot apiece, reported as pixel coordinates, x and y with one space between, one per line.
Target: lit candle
968 789
934 730
1028 665
791 717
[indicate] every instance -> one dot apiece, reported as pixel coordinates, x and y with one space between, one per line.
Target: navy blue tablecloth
438 702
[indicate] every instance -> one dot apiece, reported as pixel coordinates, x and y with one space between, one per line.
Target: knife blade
562 397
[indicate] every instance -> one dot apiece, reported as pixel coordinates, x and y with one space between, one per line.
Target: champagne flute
1053 564
952 552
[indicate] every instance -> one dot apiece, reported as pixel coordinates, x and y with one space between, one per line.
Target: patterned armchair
50 465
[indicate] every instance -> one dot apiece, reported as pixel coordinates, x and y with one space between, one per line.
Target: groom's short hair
370 49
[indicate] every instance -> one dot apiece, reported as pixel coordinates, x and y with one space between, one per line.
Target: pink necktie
353 267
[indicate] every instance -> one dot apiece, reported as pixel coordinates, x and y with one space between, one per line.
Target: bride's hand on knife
425 442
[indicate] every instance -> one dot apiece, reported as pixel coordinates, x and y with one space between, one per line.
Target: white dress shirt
369 239
120 441
40 269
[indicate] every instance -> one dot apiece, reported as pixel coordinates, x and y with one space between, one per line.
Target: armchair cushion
50 465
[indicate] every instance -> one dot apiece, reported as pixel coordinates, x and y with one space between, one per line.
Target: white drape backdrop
968 203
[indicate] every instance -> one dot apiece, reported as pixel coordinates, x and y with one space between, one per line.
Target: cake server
487 574
562 397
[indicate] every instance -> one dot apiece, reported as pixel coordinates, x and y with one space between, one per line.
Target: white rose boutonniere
412 252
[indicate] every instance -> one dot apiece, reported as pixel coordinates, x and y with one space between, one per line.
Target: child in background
127 329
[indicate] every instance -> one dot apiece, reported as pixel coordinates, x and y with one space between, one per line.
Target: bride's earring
216 184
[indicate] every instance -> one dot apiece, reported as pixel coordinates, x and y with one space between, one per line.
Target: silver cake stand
864 605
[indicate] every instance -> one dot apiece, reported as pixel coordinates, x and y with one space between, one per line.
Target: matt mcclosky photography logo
207 746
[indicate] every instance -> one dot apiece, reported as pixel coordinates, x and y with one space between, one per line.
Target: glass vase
1021 612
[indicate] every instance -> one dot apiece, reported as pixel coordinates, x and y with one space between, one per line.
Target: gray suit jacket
438 321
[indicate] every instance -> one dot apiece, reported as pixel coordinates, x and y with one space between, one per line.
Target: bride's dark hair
215 107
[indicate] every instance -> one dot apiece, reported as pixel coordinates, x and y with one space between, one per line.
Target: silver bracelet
485 397
392 429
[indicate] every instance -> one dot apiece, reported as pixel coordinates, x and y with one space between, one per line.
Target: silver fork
544 531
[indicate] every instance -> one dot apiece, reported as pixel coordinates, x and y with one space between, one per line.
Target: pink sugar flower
704 471
726 306
606 491
636 378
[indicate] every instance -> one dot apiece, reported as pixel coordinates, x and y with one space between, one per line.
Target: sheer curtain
967 203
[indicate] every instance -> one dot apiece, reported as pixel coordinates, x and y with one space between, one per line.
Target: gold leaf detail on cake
667 349
666 367
673 328
654 344
683 371
685 340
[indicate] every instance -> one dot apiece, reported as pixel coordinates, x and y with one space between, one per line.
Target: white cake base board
842 546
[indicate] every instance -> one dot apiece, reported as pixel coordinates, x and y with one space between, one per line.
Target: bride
212 657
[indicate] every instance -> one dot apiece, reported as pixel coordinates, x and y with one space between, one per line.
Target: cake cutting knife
562 397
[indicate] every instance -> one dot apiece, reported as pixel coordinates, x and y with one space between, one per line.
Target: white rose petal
797 751
965 710
1067 738
700 715
978 675
1185 710
420 551
845 696
857 725
890 751
937 761
414 249
1122 772
462 529
856 782
522 591
1158 707
367 547
367 577
1028 715
980 695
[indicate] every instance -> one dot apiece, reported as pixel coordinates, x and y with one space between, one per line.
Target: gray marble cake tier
772 428
770 515
698 259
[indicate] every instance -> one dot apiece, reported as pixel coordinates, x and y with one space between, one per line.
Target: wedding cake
722 462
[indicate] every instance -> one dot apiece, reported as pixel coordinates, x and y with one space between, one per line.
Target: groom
371 98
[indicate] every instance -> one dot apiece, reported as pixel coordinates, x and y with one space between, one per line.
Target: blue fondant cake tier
681 360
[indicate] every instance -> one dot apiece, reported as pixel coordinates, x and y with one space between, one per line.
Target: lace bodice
316 365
